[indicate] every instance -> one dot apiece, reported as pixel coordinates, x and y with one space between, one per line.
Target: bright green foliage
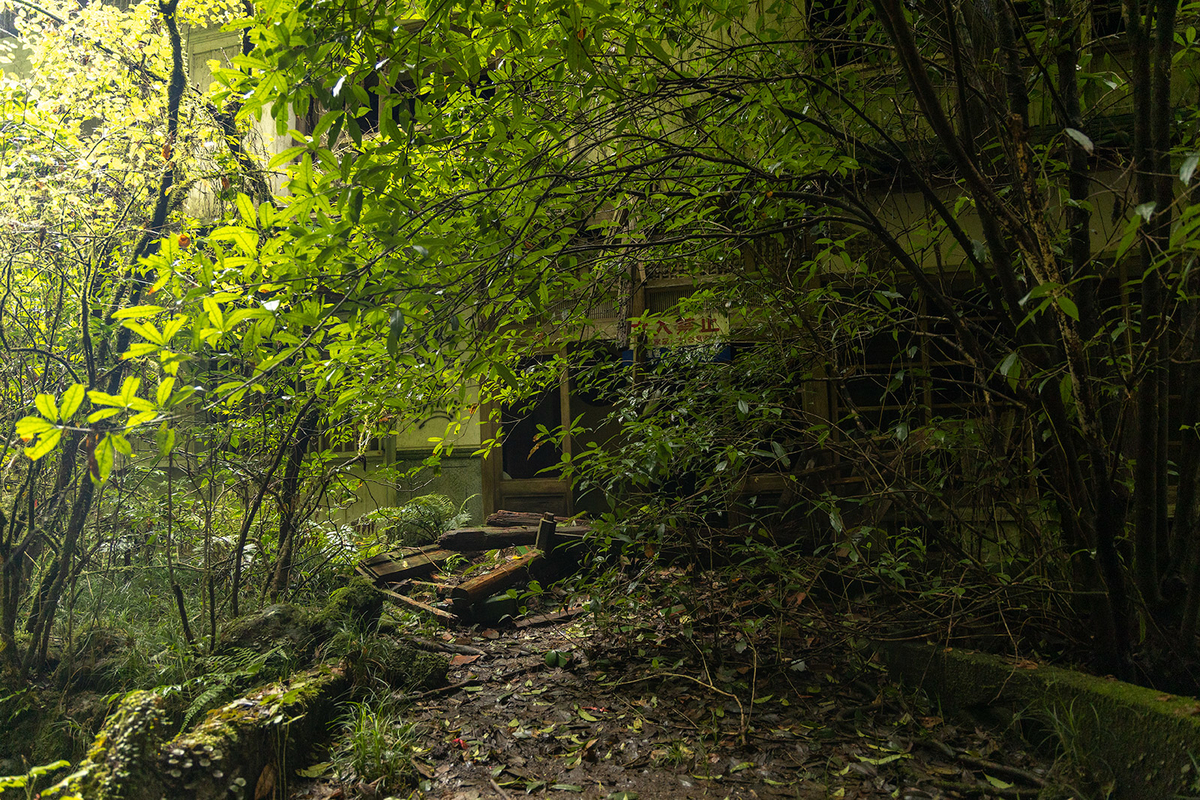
871 198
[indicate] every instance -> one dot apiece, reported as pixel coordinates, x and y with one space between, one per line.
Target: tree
102 143
471 185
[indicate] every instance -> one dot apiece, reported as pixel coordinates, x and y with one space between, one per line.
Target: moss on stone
400 665
122 761
224 756
1141 739
282 625
358 603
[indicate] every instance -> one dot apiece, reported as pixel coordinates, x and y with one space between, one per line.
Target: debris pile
452 582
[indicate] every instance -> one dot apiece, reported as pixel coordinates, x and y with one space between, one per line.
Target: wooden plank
469 539
444 618
396 570
499 579
512 519
547 535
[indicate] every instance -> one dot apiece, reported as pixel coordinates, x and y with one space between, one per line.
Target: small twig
849 711
454 687
973 788
503 793
1025 776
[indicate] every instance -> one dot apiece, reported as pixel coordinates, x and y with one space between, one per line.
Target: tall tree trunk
288 496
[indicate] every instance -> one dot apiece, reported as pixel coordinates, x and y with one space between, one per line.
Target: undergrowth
375 746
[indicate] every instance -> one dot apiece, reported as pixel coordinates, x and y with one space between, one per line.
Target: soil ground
620 720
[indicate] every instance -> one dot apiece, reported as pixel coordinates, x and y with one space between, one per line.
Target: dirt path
651 723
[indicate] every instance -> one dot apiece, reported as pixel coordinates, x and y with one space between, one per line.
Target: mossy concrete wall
1145 742
245 749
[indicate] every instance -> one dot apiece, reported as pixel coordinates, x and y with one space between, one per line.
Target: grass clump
375 747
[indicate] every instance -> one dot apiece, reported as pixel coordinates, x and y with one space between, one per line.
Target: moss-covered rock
123 760
97 660
281 625
298 631
399 665
358 604
44 725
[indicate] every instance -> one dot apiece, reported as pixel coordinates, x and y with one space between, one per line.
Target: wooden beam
499 579
444 618
547 535
469 539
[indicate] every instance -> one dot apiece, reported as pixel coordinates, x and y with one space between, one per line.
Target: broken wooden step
394 567
498 580
508 519
498 538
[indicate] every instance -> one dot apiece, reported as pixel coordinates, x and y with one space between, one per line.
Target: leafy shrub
419 521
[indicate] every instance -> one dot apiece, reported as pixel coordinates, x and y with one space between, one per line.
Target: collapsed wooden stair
400 573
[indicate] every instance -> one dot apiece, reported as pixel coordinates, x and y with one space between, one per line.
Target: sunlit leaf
45 406
138 311
71 400
44 445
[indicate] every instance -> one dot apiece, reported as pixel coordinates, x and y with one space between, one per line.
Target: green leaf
244 239
1188 168
163 393
122 446
45 405
47 443
566 787
71 400
999 784
138 311
102 463
141 419
173 327
243 314
1146 210
395 329
103 413
1010 368
1068 307
286 155
316 770
245 207
165 439
1082 140
104 398
129 388
139 349
505 374
146 330
29 428
883 759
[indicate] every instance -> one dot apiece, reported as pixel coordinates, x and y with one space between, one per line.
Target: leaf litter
572 710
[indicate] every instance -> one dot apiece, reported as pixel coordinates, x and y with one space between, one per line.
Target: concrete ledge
1142 740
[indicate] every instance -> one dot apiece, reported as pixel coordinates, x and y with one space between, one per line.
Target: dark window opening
530 450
